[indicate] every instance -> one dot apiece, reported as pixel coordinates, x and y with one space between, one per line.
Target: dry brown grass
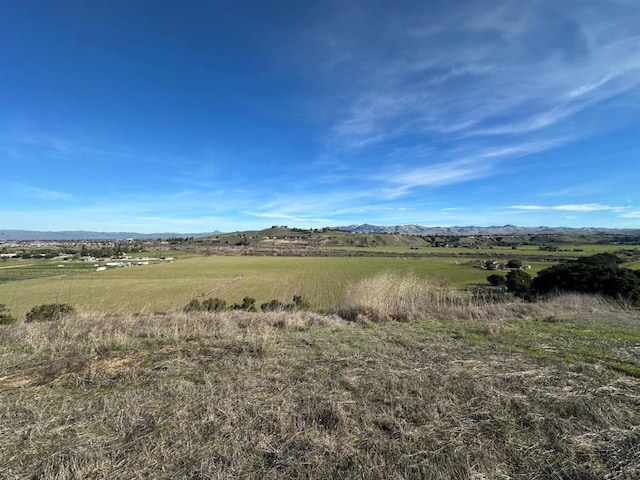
305 395
392 297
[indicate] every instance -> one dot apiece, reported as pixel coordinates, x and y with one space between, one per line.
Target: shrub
248 304
50 312
5 317
193 306
606 259
497 280
272 306
214 305
299 304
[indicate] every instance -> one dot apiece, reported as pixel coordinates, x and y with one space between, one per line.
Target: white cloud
303 219
494 69
632 214
440 174
584 207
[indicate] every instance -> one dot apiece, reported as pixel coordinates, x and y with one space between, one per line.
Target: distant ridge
471 230
14 235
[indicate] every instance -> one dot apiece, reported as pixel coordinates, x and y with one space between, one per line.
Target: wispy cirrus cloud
585 207
299 219
18 141
30 191
496 68
482 164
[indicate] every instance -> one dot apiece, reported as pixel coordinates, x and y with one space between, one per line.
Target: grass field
578 250
168 286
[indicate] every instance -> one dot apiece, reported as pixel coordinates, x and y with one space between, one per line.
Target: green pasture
564 251
168 286
19 269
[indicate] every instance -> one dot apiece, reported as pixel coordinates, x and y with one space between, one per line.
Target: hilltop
297 239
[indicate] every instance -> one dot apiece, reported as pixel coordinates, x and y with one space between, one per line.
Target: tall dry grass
88 332
388 297
301 395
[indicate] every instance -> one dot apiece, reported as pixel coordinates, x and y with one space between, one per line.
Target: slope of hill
304 395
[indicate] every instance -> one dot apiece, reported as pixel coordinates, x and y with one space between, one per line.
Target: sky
167 116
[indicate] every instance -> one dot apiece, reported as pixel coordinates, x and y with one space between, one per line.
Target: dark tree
585 278
518 282
608 260
497 280
515 263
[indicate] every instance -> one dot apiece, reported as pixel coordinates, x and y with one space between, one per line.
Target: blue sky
156 116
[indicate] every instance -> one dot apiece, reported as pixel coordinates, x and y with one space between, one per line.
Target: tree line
597 274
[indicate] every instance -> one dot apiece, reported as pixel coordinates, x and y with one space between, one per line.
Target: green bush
214 305
299 304
5 317
248 304
193 306
272 306
497 280
50 312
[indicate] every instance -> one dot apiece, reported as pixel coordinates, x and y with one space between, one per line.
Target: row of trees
597 274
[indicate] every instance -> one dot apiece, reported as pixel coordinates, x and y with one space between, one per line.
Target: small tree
518 282
514 263
50 312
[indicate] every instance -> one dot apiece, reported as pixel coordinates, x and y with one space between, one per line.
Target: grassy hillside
540 391
284 235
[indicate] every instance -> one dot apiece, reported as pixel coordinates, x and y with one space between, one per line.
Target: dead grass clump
99 333
390 297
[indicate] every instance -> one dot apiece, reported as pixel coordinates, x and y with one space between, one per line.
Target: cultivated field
168 286
319 266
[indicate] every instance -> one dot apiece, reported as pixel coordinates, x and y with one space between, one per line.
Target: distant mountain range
85 235
465 231
364 228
